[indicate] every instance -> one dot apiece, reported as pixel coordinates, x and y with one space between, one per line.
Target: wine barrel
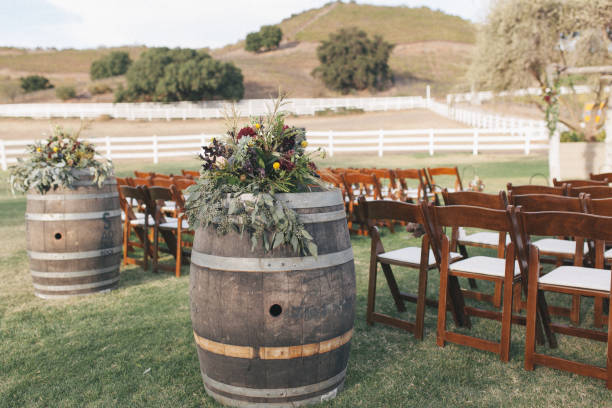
274 329
74 238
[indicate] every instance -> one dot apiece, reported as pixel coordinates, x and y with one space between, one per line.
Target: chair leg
506 320
155 248
371 293
609 361
126 236
532 305
179 249
397 297
441 334
497 294
575 312
422 292
598 312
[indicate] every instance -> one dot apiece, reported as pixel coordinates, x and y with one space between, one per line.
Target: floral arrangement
51 163
241 174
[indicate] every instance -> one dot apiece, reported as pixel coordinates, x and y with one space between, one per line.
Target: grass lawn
134 346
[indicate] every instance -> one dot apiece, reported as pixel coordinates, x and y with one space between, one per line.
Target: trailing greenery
352 61
240 176
33 83
180 74
51 163
268 37
113 64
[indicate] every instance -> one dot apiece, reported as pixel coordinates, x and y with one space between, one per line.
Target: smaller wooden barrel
273 329
74 238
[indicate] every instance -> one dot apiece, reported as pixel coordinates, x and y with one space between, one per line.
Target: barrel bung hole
58 235
276 310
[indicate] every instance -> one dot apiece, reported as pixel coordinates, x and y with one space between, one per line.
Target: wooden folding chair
191 173
444 171
537 189
356 185
593 191
405 178
134 222
335 180
386 180
572 280
482 239
421 258
580 183
505 271
143 174
555 250
140 181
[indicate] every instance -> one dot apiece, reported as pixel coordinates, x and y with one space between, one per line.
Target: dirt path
28 129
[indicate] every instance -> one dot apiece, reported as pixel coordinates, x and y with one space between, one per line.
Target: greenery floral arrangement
241 174
50 163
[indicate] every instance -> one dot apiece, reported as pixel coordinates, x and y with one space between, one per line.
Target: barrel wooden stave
232 308
86 255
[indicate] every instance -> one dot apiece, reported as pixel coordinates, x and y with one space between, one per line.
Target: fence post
527 133
428 96
331 143
155 151
554 157
108 147
431 142
475 145
3 155
381 136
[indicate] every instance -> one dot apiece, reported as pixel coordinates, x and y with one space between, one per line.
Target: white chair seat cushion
558 246
484 265
172 223
578 277
140 220
482 238
608 254
411 255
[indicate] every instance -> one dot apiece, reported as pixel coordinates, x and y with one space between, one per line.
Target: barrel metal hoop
75 274
289 404
60 197
61 288
271 264
322 217
72 216
90 183
311 200
68 296
61 256
274 392
273 353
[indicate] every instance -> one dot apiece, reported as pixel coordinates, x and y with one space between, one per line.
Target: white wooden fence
375 141
489 95
204 110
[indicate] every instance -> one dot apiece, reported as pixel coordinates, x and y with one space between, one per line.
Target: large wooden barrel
274 329
74 238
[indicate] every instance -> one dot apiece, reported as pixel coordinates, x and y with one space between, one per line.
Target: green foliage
169 75
351 61
33 83
99 89
113 64
240 176
253 42
51 163
65 92
268 37
571 136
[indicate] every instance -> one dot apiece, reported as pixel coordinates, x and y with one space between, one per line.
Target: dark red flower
246 131
547 98
312 166
286 164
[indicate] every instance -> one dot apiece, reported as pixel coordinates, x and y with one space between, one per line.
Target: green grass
96 351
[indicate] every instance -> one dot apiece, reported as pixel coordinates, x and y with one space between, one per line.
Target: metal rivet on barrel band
62 197
271 264
61 288
74 274
72 216
60 256
273 353
274 392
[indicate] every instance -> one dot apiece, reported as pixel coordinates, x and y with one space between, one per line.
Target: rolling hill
431 47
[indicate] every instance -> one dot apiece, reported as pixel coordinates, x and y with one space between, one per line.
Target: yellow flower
304 144
38 149
257 126
276 165
55 149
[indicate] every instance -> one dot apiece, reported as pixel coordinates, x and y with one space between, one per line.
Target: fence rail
204 110
381 141
489 95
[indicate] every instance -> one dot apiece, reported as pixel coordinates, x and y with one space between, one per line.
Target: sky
175 23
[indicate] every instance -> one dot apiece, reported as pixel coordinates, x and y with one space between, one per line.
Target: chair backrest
182 182
537 189
444 171
403 175
598 206
383 210
190 173
158 193
129 194
142 181
593 191
600 176
366 184
161 181
178 198
382 174
546 202
580 183
497 201
143 174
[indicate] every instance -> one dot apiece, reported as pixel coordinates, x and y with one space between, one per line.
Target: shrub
268 37
169 75
10 90
113 64
352 61
33 83
99 89
571 136
65 92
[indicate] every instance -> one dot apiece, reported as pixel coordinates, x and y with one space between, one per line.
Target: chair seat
558 246
172 223
484 265
481 238
411 255
578 277
608 254
140 220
